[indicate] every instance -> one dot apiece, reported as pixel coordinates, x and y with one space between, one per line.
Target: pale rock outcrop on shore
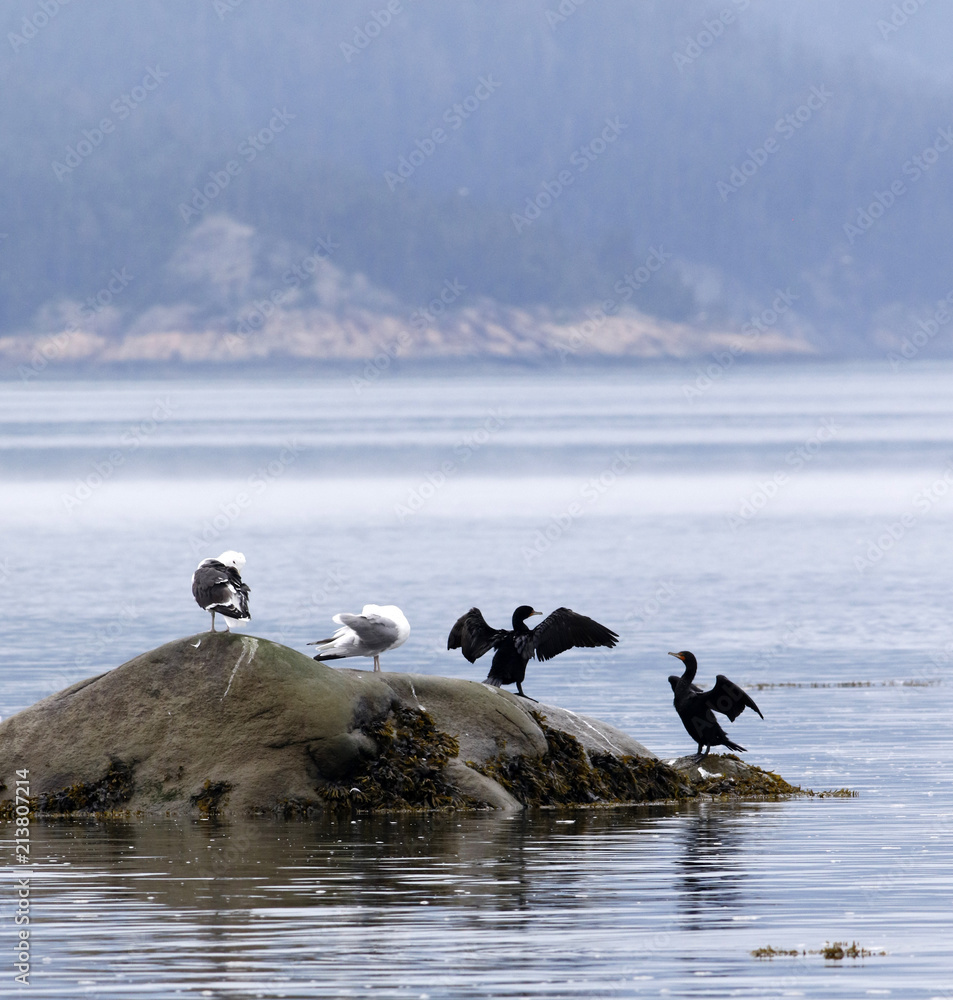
484 330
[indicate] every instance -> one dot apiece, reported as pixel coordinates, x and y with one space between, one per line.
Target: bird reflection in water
711 873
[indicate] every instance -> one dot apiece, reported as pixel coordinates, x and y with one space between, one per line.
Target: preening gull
217 587
515 647
695 707
376 629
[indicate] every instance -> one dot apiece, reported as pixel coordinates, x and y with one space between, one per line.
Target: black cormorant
696 707
217 586
515 647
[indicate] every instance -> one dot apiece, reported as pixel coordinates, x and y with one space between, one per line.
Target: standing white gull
376 629
217 586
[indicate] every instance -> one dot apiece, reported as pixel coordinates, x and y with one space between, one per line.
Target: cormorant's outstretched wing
729 699
472 634
564 629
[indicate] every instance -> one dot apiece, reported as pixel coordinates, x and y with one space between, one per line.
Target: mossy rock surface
222 723
728 776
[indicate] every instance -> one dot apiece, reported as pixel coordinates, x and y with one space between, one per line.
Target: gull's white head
232 558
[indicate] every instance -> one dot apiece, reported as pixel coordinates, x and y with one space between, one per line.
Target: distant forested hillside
171 163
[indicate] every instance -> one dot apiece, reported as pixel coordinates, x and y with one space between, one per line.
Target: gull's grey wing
372 630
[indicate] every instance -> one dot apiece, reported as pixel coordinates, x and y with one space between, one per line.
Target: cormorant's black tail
734 746
493 681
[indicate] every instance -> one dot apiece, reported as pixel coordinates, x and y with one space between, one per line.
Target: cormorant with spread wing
515 647
696 707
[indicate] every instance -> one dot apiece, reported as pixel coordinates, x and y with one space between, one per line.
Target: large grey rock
233 723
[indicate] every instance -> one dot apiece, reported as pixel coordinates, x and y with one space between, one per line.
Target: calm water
789 525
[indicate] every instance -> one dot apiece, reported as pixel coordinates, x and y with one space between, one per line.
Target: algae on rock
408 771
221 723
566 775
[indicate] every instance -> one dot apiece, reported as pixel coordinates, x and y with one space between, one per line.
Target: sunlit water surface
789 525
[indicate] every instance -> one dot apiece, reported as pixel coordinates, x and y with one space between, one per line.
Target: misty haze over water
229 181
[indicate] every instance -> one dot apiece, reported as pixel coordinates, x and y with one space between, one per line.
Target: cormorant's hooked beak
530 615
678 656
